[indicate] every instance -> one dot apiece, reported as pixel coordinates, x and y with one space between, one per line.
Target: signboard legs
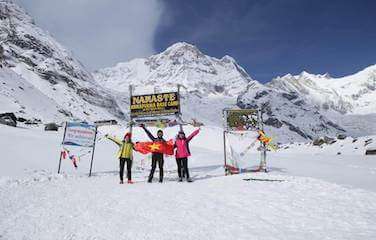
61 154
130 115
79 135
224 151
179 115
243 120
92 154
263 145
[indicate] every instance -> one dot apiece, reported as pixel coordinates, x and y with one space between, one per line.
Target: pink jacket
182 147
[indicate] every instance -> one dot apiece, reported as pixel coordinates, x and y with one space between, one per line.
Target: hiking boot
180 180
130 182
189 180
121 182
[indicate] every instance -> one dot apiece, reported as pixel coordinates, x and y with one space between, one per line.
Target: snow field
212 208
323 195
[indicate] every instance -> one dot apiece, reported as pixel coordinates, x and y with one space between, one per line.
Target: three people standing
182 152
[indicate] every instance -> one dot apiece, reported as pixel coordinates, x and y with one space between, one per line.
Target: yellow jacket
125 148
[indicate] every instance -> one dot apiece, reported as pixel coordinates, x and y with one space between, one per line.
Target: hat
128 134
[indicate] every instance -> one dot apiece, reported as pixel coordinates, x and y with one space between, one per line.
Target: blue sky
267 37
271 37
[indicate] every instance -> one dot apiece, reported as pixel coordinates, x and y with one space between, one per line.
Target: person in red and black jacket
155 157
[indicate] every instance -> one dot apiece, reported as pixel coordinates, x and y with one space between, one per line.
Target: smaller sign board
242 119
155 104
79 134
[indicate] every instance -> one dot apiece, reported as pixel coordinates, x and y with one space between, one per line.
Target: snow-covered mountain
353 94
349 101
288 116
181 63
212 84
42 79
208 84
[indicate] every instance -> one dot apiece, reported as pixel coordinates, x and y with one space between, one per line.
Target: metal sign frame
178 114
161 104
245 122
228 129
92 151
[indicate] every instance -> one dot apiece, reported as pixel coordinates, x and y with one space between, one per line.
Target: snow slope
17 95
323 195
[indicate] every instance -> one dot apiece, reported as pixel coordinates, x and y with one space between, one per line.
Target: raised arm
148 133
114 139
189 138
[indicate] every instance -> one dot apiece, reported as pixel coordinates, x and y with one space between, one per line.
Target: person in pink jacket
182 153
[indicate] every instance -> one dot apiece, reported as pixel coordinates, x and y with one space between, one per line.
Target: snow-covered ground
323 195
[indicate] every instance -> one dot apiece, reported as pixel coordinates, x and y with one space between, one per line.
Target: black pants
182 167
154 160
129 168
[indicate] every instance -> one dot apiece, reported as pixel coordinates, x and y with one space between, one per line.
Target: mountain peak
182 46
182 50
326 75
305 74
228 59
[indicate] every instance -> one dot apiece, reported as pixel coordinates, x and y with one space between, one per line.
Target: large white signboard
79 134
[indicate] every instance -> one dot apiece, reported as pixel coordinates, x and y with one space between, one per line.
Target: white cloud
100 32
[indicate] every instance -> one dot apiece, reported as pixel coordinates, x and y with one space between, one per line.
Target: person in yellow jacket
125 155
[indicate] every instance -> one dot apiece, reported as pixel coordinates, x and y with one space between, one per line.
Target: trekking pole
179 114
